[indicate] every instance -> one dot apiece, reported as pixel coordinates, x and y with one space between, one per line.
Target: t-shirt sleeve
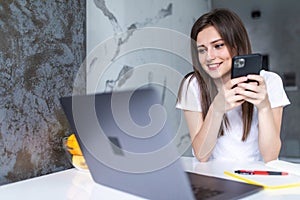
276 93
189 98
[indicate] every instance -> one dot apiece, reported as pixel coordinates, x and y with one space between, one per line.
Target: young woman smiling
231 119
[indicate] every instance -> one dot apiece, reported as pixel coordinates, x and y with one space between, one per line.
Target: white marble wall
134 43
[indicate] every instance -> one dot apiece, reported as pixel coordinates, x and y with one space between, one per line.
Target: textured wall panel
42 45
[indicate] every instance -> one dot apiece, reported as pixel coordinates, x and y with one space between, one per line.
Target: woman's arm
204 134
269 120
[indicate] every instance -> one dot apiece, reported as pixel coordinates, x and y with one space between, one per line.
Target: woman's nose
210 55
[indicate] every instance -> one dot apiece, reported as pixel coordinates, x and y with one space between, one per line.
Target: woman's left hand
255 91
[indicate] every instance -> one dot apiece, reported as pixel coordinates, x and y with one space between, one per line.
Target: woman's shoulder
271 76
189 95
275 88
190 78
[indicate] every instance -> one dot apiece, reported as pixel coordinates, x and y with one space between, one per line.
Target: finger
235 101
254 98
253 101
256 78
250 94
235 94
236 81
237 98
251 86
253 83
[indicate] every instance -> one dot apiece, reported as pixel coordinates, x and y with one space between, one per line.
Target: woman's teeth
213 66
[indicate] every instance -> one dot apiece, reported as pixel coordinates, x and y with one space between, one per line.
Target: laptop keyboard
204 193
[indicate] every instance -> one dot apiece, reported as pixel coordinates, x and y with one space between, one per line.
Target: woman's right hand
228 96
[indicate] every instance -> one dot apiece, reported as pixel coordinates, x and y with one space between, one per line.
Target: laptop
128 145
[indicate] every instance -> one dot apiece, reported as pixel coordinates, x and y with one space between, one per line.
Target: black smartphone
243 65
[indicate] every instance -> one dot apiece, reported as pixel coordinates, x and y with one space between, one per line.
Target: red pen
257 172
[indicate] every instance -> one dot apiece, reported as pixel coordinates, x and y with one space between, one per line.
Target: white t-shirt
230 146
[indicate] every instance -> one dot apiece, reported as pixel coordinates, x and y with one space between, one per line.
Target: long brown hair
234 34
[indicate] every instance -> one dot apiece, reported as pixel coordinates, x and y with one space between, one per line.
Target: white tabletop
217 168
75 184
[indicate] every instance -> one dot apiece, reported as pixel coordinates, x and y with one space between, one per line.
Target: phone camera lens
239 63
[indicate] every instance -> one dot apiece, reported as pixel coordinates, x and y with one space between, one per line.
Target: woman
234 119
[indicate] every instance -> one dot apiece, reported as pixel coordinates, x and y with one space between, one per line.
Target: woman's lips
213 66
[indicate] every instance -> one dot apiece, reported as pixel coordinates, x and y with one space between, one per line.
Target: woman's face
213 54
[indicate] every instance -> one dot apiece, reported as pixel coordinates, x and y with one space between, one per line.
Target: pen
256 172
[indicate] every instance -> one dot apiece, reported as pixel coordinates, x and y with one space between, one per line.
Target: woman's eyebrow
199 46
217 40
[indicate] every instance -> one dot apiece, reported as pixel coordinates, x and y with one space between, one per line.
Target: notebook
128 145
273 181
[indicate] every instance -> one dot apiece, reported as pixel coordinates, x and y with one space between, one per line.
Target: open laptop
127 143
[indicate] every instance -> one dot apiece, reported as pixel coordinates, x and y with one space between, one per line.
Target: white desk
74 184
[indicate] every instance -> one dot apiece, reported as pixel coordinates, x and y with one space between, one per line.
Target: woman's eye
202 51
217 46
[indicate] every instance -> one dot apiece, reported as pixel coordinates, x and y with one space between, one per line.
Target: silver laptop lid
127 143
